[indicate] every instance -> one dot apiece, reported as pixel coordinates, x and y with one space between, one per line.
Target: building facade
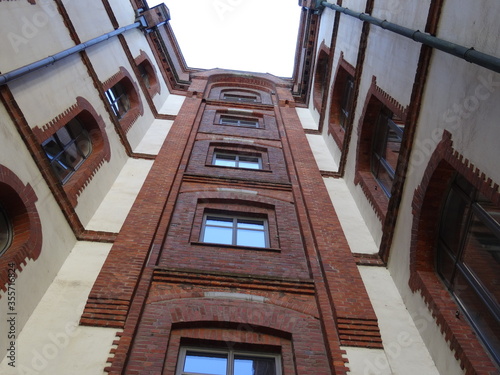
161 219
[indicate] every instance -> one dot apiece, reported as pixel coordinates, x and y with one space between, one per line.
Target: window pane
249 162
205 363
5 230
244 365
219 221
453 221
247 237
445 264
72 157
479 314
52 148
481 256
74 127
219 235
84 144
251 224
64 136
225 160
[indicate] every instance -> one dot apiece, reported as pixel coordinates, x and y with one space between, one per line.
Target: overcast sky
251 35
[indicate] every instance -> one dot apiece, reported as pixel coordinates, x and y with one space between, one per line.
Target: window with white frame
242 98
67 149
201 361
239 121
235 230
223 159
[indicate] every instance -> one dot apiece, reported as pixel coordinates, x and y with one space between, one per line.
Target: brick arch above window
428 202
380 111
94 124
123 96
148 73
18 202
251 94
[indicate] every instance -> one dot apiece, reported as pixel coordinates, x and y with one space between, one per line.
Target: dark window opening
118 99
385 149
67 149
468 259
6 232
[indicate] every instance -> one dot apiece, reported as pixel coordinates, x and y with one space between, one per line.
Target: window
385 149
197 361
243 98
145 76
237 161
5 231
239 121
233 230
468 259
67 149
346 101
118 99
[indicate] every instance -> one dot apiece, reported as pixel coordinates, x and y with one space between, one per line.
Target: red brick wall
154 281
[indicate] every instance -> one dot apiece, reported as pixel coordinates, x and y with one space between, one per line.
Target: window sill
235 247
373 192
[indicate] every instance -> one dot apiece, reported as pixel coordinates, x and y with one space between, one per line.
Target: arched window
468 258
122 95
6 232
68 148
320 77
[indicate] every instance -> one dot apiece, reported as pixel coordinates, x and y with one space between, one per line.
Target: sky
251 35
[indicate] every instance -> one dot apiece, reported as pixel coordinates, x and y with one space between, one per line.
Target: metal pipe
467 53
19 72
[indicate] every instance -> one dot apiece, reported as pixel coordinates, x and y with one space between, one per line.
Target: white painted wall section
172 105
324 159
404 349
306 118
153 140
355 230
51 341
115 207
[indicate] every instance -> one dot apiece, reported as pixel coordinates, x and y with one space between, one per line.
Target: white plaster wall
348 37
58 238
123 11
393 60
52 342
471 24
172 105
408 13
89 18
30 33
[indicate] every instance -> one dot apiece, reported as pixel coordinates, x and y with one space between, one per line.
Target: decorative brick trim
359 333
155 87
136 108
227 316
427 205
101 151
376 99
18 200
